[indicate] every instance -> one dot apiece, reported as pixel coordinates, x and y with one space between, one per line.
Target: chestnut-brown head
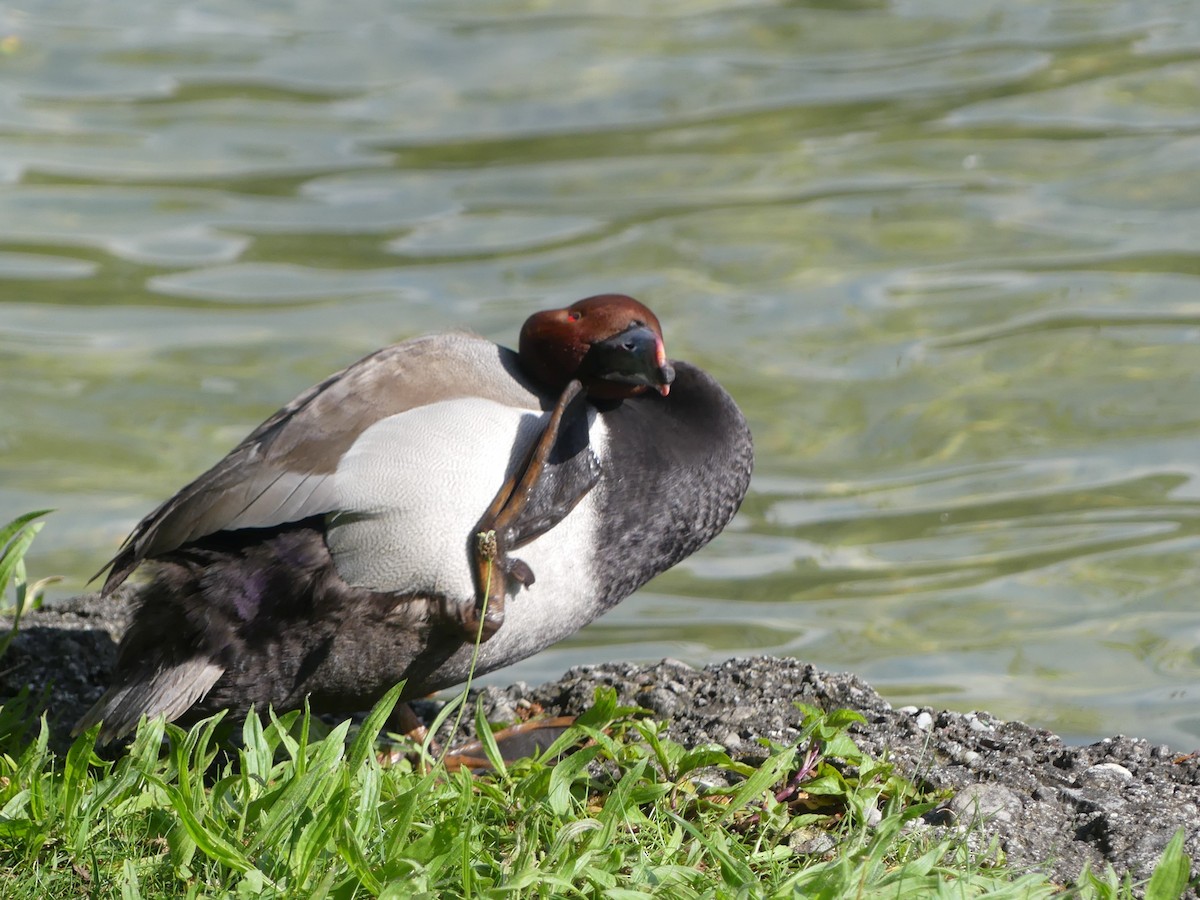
611 343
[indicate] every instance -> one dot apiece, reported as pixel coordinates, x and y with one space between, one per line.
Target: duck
442 507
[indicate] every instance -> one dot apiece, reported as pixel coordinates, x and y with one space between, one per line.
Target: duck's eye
637 323
574 316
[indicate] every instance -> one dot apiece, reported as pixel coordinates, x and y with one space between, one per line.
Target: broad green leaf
1170 877
769 774
563 776
210 844
368 733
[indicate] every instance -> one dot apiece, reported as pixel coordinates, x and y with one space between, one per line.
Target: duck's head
611 343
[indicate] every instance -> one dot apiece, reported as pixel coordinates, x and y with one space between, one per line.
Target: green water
944 254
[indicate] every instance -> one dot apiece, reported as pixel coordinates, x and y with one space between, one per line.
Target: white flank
412 489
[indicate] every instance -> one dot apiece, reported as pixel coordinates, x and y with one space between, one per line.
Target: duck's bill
636 356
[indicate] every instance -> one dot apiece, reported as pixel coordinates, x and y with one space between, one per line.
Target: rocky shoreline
1047 805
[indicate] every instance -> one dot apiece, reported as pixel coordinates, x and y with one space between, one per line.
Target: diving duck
436 494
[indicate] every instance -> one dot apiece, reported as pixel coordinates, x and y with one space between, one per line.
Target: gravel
1047 805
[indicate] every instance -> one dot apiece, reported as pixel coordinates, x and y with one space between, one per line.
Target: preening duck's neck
677 469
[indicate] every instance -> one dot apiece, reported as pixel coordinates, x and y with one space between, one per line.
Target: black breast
676 471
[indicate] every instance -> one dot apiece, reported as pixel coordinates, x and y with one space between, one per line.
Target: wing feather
285 469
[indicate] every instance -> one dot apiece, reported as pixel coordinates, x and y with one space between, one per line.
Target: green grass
613 809
624 812
15 538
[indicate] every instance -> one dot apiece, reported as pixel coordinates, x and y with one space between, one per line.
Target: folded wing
285 470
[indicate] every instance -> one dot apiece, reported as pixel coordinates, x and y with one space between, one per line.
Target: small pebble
914 826
976 725
1108 772
811 842
924 721
708 783
978 802
659 701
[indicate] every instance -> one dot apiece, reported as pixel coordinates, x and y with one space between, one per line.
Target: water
944 254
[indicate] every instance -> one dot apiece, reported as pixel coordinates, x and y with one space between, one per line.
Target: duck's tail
166 690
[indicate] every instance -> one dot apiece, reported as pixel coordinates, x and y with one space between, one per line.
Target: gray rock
1042 803
983 804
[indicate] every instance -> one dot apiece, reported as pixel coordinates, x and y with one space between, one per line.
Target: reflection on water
944 255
